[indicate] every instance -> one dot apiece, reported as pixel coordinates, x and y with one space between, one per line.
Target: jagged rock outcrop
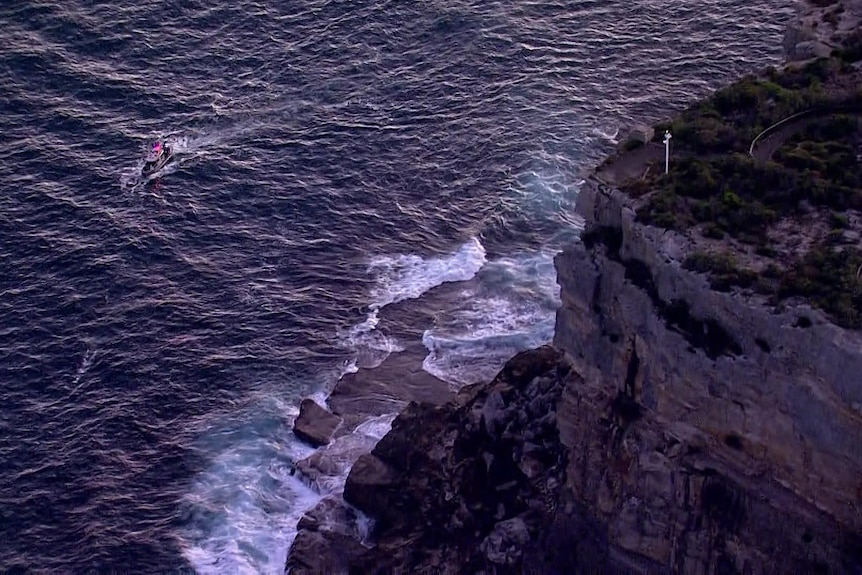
315 424
465 467
467 486
820 27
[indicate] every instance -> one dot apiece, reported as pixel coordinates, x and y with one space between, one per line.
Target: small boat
159 156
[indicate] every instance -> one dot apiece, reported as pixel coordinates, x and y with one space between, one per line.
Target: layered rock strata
736 438
670 429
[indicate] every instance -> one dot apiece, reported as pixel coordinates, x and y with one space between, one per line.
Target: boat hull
151 167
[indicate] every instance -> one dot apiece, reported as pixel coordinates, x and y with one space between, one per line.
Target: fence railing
826 110
778 124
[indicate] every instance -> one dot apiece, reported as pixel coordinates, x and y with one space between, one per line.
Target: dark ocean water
334 157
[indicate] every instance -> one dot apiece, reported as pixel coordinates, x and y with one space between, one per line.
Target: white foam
84 366
401 277
376 427
371 346
404 277
610 137
334 461
548 193
517 313
242 512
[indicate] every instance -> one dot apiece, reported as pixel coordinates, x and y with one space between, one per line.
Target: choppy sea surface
332 158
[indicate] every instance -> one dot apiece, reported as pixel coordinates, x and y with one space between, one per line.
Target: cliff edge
700 409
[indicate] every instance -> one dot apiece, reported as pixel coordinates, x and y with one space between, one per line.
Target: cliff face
712 434
671 429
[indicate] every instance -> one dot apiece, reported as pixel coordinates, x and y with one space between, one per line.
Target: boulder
505 544
317 552
328 537
314 423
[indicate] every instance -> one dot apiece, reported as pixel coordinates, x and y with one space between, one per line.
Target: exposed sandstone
820 27
314 424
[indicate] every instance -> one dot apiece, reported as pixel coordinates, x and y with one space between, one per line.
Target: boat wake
186 147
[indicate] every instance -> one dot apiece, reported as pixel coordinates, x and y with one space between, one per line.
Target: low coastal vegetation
827 277
785 200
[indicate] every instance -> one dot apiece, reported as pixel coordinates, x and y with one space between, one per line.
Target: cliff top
765 183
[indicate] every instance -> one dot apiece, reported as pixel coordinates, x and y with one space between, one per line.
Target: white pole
667 138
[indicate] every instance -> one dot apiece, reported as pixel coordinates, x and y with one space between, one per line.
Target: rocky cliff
671 429
740 446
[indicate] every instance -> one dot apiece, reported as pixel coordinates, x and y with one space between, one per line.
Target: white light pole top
667 138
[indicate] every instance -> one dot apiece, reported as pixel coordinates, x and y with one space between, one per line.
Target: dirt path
766 147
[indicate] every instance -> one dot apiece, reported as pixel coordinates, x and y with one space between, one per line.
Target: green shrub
838 221
829 279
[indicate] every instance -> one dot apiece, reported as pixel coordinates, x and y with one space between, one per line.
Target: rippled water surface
333 158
